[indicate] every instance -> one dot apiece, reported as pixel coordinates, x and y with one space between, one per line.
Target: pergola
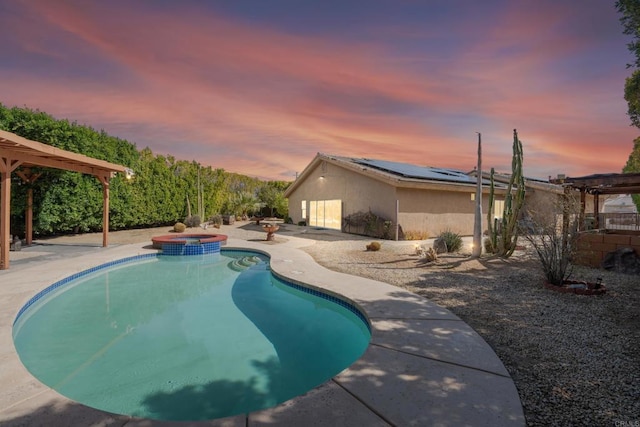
597 184
18 152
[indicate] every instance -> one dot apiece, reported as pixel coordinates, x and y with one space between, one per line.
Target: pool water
186 338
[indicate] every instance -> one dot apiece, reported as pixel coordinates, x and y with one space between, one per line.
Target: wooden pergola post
596 209
104 179
7 165
583 205
28 178
565 217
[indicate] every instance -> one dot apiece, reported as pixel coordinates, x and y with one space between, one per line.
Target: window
498 208
303 208
325 213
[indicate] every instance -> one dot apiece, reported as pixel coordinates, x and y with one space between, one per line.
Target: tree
281 205
630 19
271 194
245 203
69 201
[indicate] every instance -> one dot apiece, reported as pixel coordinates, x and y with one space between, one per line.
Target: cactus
502 240
491 244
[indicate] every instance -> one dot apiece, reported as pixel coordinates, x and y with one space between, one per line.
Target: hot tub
189 244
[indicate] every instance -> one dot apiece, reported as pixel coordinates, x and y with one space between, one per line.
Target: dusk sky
259 87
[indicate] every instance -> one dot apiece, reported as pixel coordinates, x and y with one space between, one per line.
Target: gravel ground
574 359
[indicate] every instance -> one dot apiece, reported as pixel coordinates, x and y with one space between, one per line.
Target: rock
15 243
440 246
623 260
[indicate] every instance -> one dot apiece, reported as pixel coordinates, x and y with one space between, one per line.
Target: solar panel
418 172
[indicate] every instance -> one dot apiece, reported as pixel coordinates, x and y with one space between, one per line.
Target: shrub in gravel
192 221
452 240
374 246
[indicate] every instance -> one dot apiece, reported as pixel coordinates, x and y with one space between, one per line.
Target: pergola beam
610 183
57 163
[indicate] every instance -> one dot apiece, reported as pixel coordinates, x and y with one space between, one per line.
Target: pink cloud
207 87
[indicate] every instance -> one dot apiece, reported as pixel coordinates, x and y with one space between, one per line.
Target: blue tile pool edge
303 287
341 300
75 276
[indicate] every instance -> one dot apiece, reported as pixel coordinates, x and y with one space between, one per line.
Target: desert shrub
179 227
374 246
555 241
488 245
431 255
192 221
452 240
216 220
415 235
368 224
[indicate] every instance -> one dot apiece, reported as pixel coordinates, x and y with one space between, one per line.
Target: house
539 193
411 199
619 204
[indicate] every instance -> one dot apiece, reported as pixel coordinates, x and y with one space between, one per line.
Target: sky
259 87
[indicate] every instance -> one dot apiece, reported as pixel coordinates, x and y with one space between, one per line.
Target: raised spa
189 244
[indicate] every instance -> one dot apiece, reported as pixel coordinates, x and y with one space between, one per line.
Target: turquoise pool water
186 338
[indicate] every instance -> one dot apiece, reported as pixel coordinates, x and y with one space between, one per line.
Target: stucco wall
437 211
357 192
430 211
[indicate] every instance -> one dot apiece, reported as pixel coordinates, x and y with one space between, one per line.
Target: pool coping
424 365
181 239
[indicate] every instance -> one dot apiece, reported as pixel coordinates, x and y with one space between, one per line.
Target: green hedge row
162 192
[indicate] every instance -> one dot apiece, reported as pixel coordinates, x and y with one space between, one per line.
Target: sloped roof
530 183
396 173
33 153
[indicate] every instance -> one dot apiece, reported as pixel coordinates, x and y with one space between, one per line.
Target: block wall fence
593 247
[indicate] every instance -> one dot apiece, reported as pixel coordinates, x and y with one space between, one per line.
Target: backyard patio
572 358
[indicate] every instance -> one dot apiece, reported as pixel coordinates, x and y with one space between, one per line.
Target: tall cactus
492 240
503 241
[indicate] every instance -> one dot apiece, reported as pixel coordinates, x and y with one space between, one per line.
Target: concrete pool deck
423 367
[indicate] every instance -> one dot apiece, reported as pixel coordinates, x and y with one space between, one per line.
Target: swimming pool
159 338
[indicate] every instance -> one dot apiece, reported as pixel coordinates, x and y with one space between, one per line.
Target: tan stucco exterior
416 205
435 211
